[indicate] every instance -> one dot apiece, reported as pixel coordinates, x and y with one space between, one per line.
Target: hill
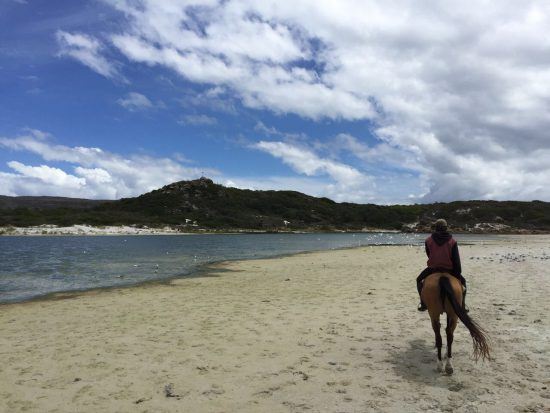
202 204
46 202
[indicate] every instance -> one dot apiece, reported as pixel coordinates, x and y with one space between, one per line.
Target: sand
333 331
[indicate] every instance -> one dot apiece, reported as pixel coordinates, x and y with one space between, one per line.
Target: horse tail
479 337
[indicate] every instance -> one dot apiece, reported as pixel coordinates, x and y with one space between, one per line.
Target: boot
422 306
419 285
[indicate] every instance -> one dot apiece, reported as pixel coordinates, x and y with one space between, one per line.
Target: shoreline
206 269
129 230
134 231
318 331
203 270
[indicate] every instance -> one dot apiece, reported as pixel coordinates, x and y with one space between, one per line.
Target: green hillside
202 204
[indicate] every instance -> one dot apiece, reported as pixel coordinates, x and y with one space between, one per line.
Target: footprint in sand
214 390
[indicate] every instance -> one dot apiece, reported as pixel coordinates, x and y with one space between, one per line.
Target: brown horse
443 293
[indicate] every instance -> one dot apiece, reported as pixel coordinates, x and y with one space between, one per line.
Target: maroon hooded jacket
442 252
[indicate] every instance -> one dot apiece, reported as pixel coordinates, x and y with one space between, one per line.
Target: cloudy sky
384 102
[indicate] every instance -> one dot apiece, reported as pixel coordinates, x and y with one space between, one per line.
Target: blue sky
395 104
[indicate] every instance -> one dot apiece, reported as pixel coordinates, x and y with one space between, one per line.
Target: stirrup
422 307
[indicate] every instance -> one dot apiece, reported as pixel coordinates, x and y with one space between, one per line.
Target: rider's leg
419 285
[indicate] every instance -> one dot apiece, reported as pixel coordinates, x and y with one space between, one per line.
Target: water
36 266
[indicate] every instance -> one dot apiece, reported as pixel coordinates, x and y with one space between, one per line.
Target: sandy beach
334 331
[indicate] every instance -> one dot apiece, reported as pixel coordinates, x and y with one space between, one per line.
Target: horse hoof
449 368
440 366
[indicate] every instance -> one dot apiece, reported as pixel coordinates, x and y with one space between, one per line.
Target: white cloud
198 120
87 51
380 156
328 177
48 175
135 101
87 172
230 184
217 99
37 133
97 173
388 190
94 175
308 163
315 186
334 179
232 45
459 88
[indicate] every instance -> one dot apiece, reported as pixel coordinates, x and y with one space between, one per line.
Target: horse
443 293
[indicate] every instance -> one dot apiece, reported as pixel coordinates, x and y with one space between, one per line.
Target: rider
442 252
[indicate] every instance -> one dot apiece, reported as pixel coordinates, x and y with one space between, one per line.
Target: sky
392 102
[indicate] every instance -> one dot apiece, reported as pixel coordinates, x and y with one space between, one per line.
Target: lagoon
38 266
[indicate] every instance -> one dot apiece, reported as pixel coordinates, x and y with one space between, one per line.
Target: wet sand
333 331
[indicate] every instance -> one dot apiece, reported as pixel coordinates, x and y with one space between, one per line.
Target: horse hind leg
449 330
436 325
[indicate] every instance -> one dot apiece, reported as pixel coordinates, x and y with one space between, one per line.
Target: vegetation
203 204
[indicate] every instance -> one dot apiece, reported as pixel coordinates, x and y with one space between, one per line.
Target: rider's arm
455 257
